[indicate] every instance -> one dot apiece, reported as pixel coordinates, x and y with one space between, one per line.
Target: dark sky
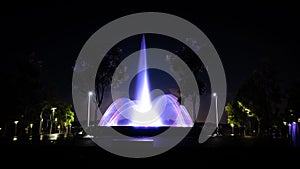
243 35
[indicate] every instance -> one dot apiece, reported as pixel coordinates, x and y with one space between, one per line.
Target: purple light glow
293 133
142 90
163 110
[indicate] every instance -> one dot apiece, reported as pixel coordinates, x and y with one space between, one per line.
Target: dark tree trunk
258 127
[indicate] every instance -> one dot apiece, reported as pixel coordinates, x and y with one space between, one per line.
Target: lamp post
217 115
88 115
41 123
89 109
55 124
16 127
52 119
30 125
232 129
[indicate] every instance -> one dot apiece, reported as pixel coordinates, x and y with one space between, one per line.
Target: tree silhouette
28 81
21 89
105 74
197 68
292 111
261 94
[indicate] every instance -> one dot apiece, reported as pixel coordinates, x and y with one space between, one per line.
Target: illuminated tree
235 116
63 116
261 94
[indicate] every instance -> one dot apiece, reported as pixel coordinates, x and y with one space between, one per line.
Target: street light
31 125
53 110
88 114
16 127
217 115
232 129
52 119
41 123
55 124
89 109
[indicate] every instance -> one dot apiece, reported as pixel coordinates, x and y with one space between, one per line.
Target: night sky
243 36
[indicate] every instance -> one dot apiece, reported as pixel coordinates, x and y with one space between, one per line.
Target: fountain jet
142 90
163 110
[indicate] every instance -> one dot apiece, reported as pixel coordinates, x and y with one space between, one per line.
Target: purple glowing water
164 110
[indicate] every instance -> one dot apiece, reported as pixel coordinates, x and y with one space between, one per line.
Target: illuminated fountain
164 110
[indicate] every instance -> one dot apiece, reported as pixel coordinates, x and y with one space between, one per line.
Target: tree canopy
259 97
106 71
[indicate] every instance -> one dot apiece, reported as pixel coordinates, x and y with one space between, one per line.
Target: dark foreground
217 151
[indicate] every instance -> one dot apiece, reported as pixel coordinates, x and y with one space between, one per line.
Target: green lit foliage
235 115
231 114
63 112
246 110
238 113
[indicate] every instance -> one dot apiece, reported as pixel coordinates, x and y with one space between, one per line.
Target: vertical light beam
142 89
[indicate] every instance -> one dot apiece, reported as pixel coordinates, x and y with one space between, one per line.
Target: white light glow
53 109
142 90
247 110
164 110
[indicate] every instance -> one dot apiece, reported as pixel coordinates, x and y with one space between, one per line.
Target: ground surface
217 151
